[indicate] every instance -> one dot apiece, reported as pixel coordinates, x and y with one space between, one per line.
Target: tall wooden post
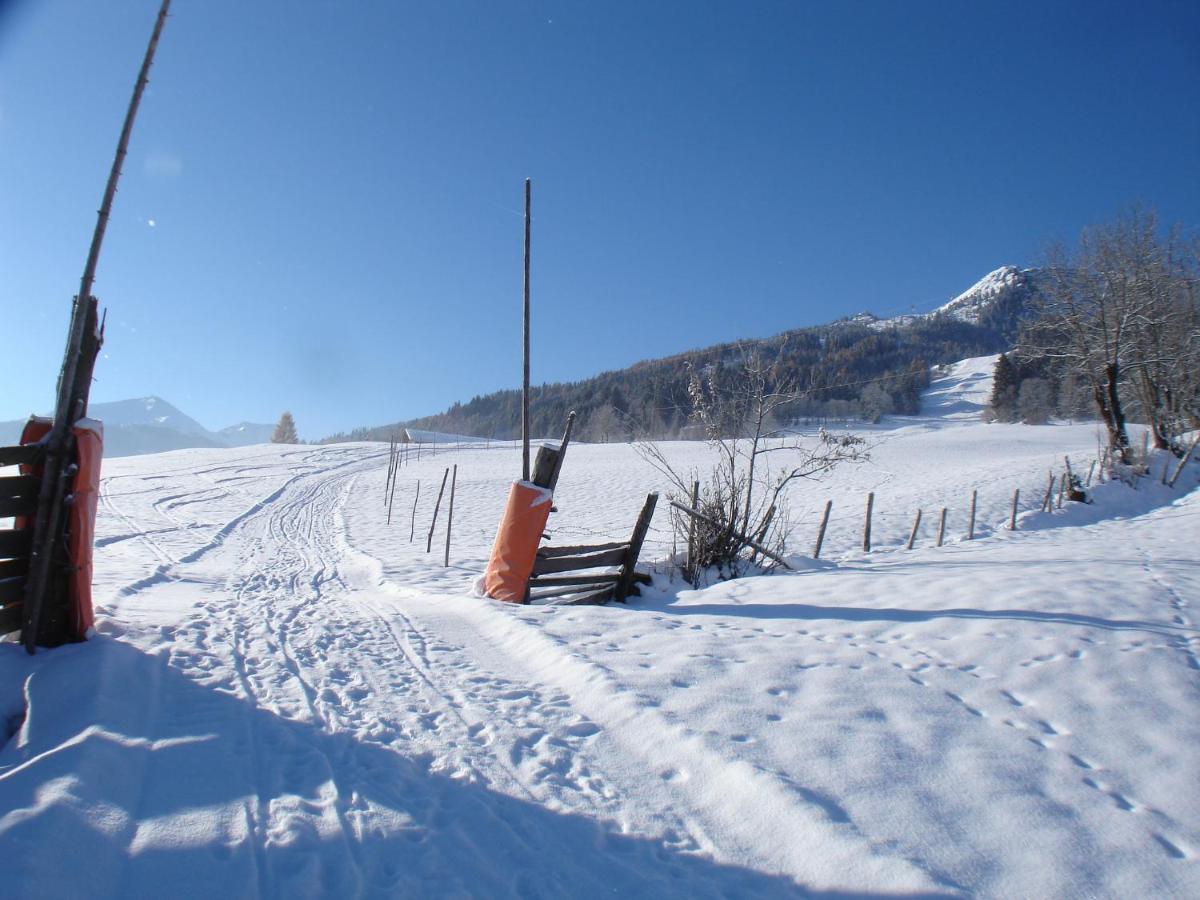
942 527
436 507
1012 521
971 525
691 557
74 380
525 357
867 525
450 514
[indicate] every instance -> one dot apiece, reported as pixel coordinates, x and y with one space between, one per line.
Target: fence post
691 551
821 531
1091 469
1049 494
1012 521
412 528
942 527
867 525
450 515
392 498
913 534
1183 461
436 507
971 525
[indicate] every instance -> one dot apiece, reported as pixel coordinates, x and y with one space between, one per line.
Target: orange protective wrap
517 541
81 524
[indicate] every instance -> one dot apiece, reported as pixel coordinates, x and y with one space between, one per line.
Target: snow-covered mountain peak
970 303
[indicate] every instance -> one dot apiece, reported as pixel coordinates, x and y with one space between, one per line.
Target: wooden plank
17 506
25 455
10 618
10 568
20 486
579 549
12 590
635 547
572 563
561 580
595 598
15 543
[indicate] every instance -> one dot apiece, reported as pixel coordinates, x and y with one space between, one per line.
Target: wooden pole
821 530
1049 494
450 515
436 507
913 534
1183 461
412 528
971 524
1091 470
1012 520
867 525
525 357
72 397
942 527
1062 487
391 499
691 557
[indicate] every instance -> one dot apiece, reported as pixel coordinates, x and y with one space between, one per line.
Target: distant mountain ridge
859 366
152 425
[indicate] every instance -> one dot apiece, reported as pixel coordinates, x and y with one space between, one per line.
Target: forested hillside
861 367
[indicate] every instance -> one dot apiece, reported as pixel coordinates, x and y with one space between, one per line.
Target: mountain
859 366
152 425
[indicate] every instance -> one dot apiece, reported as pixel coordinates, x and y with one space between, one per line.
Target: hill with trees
861 367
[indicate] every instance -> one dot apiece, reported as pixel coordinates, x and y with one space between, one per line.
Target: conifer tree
285 431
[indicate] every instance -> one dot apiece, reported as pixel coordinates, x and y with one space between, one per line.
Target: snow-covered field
287 697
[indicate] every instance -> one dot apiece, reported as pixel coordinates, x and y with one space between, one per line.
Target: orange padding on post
81 515
517 541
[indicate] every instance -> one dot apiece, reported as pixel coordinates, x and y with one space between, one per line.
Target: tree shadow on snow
130 779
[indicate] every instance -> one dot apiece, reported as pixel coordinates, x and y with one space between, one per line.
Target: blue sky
321 206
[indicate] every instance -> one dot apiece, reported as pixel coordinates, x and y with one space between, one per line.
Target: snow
288 697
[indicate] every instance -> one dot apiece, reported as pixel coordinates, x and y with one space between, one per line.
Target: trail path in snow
276 609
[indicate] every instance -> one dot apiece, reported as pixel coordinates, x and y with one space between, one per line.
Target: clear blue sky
321 207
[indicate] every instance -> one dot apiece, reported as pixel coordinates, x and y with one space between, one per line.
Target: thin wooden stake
391 499
971 523
450 515
821 530
867 525
1183 461
913 534
691 557
1062 488
1012 520
942 527
436 507
1091 470
412 528
525 357
1049 494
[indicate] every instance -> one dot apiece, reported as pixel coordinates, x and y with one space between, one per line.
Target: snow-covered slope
288 696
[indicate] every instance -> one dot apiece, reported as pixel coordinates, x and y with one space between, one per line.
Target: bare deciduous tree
1120 314
745 492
